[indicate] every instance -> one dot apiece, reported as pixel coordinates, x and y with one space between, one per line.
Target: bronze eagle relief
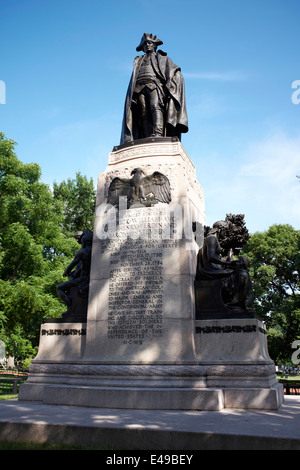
140 190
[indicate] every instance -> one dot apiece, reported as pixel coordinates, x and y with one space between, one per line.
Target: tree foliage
35 247
275 267
78 198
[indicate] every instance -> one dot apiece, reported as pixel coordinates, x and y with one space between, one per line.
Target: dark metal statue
140 190
74 293
223 287
234 236
155 104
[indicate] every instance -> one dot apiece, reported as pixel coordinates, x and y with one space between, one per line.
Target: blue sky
66 65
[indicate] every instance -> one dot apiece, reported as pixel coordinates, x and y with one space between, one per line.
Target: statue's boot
158 123
147 125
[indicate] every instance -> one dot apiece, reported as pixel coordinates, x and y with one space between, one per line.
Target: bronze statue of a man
78 272
211 266
155 102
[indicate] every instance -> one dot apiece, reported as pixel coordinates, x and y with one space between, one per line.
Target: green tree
78 197
37 242
33 250
18 346
275 262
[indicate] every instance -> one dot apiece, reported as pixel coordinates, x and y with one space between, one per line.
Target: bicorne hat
148 37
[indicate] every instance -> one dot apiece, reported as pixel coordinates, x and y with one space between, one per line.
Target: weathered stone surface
143 346
60 341
141 305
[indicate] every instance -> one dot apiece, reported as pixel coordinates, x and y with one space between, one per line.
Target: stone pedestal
62 340
141 289
143 347
235 356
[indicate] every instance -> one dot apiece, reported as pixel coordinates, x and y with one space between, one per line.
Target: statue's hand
65 273
232 264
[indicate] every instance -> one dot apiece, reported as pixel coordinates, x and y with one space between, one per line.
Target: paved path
153 429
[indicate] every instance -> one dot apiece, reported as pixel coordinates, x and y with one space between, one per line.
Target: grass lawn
289 378
8 397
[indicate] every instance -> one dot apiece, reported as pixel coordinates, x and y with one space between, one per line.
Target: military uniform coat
176 121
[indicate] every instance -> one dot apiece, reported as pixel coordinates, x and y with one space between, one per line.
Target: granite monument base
61 339
233 370
142 346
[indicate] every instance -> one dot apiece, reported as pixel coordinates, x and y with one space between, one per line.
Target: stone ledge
133 398
142 439
150 148
147 140
149 430
147 398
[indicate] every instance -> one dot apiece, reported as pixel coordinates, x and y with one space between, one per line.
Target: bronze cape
176 121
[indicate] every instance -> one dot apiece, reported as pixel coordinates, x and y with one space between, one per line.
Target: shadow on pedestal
210 305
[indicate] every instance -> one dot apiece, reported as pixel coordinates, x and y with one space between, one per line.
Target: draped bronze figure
155 104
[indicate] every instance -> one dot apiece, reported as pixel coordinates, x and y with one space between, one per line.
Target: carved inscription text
136 287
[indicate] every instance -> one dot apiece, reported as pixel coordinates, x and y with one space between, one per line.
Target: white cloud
271 177
263 186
